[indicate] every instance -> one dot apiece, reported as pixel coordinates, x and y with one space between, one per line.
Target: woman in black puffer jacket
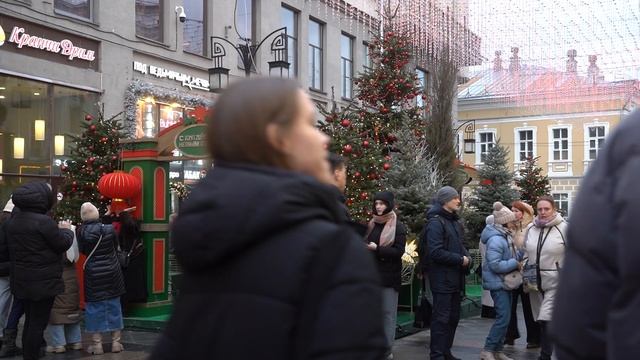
36 244
272 271
386 238
103 280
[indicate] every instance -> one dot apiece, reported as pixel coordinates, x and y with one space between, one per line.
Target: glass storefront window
152 117
37 121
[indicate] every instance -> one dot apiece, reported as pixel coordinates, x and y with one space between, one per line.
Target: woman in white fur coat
544 250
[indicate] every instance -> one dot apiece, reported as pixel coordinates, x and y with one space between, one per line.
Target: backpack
423 244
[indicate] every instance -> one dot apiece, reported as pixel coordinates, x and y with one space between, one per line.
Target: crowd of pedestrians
39 276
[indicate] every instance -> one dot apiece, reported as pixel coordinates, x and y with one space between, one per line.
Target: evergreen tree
413 178
365 131
496 182
94 153
532 182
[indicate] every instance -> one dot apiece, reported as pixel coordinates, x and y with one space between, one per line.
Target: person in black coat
386 238
447 262
597 305
271 270
36 244
103 280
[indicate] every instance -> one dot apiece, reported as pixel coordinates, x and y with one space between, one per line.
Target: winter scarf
388 235
543 223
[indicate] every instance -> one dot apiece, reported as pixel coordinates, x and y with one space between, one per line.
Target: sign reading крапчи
191 141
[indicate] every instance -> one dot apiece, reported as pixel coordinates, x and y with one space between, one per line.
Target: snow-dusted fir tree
414 178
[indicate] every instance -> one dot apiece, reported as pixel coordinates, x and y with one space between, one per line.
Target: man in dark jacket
36 245
597 306
447 262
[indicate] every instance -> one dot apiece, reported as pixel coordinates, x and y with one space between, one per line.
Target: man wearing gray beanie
447 261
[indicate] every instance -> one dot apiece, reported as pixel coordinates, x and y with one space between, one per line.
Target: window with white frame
486 142
75 8
560 142
367 63
562 203
525 144
595 138
346 64
315 54
421 76
290 21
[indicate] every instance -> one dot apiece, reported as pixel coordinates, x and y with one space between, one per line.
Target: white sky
545 29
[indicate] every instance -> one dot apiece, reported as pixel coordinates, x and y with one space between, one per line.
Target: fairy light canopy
550 51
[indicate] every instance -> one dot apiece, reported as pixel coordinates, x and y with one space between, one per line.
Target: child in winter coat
64 322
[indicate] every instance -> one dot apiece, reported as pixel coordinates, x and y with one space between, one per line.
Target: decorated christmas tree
365 131
532 182
496 181
93 153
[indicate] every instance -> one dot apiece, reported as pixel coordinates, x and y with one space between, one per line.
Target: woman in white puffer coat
544 250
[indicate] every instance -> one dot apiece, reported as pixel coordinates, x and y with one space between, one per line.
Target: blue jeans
502 304
64 334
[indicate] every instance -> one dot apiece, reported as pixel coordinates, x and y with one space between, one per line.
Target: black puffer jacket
36 244
445 251
5 261
389 258
597 305
102 274
246 239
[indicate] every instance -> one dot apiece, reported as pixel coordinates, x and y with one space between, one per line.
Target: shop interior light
3 88
58 144
36 94
39 130
175 105
149 99
1 96
18 148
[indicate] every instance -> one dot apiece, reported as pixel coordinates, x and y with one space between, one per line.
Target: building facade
559 116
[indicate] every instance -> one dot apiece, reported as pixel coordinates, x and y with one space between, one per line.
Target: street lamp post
219 75
469 136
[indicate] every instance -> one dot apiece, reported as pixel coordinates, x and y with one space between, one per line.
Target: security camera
181 15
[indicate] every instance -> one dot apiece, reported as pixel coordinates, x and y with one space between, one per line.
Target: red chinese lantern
119 186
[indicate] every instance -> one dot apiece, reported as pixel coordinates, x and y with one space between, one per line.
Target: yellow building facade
560 117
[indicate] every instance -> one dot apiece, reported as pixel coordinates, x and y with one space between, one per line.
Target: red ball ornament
104 139
347 149
91 159
386 166
88 117
349 202
92 128
357 174
384 110
365 144
364 195
345 123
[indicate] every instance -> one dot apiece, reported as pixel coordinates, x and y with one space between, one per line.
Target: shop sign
35 40
191 141
186 80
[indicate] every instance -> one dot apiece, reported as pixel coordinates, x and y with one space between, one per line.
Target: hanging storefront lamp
39 130
218 78
18 148
58 145
119 186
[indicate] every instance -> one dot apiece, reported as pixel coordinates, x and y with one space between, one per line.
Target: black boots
9 348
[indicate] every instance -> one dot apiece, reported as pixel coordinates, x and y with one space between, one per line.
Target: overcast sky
545 29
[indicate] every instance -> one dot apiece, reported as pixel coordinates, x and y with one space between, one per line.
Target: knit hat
89 212
446 194
387 197
489 220
501 214
9 206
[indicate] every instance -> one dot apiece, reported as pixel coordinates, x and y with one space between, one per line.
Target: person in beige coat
524 217
544 253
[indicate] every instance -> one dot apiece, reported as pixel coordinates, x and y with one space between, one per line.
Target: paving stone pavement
468 343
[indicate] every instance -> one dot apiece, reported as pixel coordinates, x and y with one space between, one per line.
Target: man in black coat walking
597 306
36 245
447 262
